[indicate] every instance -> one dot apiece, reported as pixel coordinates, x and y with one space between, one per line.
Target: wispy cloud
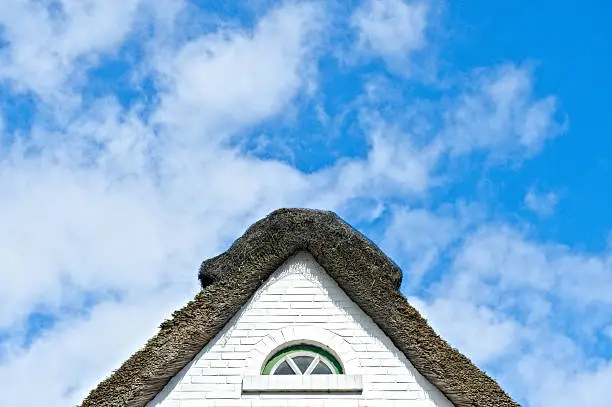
522 293
421 237
498 113
50 43
541 203
223 81
391 29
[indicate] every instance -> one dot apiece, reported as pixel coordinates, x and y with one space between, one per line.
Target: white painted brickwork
299 303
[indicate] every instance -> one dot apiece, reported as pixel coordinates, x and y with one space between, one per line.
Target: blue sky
470 140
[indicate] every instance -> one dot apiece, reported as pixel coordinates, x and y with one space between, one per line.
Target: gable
299 303
369 278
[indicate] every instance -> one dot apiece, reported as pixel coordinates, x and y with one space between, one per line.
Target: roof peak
286 231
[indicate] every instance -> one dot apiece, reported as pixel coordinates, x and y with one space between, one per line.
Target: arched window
302 360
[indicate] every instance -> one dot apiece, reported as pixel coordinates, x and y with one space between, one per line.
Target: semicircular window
302 360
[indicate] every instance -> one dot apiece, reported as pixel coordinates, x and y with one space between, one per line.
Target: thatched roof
359 267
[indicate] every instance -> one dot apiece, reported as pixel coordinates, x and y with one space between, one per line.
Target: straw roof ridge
229 280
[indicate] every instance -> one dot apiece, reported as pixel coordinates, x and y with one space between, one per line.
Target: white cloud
505 302
477 331
393 166
226 80
499 113
541 203
420 237
65 363
549 383
489 115
52 42
505 258
392 29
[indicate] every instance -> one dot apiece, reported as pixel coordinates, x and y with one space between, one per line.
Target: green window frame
318 354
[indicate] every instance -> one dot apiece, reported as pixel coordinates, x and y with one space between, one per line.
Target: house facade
301 311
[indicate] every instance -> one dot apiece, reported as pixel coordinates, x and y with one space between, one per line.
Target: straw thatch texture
359 267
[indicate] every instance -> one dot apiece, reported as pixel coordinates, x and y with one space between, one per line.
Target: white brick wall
299 303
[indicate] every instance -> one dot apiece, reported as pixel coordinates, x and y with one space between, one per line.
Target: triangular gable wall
299 303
